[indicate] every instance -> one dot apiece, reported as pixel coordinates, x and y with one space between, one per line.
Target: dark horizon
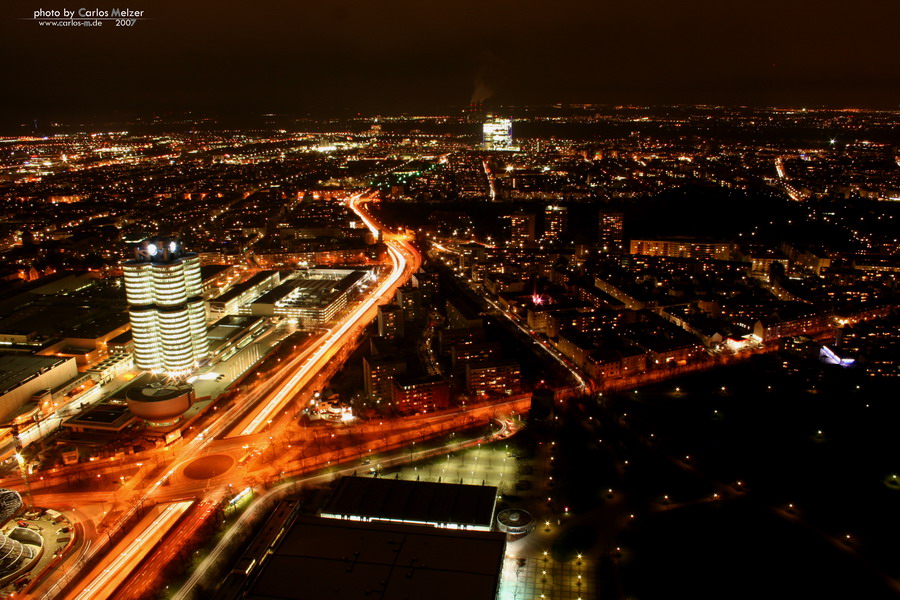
459 120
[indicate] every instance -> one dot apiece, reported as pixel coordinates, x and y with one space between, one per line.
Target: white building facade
496 134
165 306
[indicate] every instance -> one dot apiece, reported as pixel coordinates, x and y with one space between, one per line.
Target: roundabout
208 467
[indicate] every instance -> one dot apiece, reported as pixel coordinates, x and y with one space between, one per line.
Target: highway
142 581
106 577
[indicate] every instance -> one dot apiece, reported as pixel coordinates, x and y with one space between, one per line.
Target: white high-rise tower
168 319
496 134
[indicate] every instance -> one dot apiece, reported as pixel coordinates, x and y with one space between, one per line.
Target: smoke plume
490 72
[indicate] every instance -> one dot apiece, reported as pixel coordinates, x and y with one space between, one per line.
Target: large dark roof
418 501
348 560
209 271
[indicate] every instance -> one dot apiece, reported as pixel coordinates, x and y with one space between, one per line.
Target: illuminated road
490 180
276 393
779 167
141 583
103 583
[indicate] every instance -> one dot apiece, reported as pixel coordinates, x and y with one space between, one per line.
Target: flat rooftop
65 321
311 292
230 326
16 369
413 501
68 283
210 271
278 292
105 415
347 560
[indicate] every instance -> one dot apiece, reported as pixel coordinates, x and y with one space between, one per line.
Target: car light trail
135 551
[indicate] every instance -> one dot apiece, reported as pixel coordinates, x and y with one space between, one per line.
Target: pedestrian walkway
541 577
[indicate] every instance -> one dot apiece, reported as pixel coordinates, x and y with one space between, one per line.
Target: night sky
415 55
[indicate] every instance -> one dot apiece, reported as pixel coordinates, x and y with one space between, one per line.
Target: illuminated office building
165 306
497 134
